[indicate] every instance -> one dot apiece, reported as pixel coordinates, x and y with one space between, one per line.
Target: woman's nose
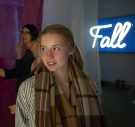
49 54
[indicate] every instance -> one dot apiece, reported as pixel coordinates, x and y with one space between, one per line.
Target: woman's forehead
25 29
51 39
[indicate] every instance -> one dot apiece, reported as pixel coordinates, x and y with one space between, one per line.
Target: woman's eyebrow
57 45
25 31
42 46
52 45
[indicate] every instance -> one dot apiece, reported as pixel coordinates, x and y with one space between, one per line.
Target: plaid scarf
88 109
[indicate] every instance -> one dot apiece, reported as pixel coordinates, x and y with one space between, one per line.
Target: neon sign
114 35
119 31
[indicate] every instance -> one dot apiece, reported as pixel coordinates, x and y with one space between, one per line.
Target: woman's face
26 37
54 52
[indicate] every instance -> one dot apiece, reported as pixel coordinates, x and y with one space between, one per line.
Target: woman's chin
51 69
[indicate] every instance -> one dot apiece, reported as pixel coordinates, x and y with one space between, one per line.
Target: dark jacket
21 71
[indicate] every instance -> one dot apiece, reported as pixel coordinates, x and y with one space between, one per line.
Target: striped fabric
25 104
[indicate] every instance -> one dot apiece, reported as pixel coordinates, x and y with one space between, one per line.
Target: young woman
60 94
24 65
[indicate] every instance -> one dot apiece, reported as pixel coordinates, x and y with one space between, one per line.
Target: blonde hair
67 36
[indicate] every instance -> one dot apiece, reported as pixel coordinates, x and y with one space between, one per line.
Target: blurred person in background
24 64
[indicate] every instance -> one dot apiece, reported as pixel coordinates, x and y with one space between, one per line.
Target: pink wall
7 98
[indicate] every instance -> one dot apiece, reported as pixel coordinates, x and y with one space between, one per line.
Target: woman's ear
70 52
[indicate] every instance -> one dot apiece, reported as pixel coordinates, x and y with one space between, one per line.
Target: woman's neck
29 45
61 76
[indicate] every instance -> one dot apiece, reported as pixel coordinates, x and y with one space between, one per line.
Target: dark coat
21 71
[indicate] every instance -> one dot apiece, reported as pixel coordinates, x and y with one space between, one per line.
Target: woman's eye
55 48
43 49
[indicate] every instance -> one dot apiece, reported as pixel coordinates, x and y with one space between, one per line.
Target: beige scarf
88 109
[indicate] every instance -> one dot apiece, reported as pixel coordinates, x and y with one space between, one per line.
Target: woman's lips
24 40
50 64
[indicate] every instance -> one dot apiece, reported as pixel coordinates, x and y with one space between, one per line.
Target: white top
25 104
